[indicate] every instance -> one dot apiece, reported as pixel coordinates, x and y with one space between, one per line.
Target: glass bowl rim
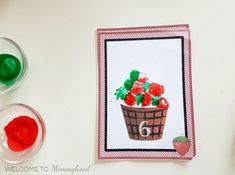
24 65
42 125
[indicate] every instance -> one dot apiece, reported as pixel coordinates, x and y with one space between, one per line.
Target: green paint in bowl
10 68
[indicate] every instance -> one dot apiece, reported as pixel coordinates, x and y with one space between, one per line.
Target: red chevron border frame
144 32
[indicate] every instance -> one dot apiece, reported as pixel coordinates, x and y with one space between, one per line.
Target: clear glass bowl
8 46
8 113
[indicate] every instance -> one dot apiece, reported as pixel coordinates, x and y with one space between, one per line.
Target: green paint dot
10 68
121 93
146 86
134 75
139 99
128 84
155 100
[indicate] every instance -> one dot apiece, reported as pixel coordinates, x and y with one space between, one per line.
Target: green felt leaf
181 139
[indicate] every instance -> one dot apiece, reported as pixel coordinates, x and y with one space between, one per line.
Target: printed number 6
141 128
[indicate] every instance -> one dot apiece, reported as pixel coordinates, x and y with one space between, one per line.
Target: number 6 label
147 129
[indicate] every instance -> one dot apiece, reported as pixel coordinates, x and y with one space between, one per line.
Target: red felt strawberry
137 88
147 100
182 145
162 103
130 99
156 89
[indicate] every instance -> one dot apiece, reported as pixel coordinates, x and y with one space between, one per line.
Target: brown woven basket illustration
144 123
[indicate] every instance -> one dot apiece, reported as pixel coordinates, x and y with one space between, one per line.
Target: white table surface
58 37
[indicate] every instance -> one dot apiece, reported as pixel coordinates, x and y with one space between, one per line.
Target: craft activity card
145 108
